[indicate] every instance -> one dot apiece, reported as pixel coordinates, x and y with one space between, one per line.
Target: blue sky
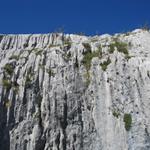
74 16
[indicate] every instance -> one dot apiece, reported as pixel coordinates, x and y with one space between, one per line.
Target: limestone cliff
71 92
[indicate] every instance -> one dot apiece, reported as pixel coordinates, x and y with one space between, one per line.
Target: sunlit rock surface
72 92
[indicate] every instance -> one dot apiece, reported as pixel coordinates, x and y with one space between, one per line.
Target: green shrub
8 68
111 48
121 47
88 56
50 72
51 45
16 57
128 121
87 46
128 57
7 83
39 52
116 114
105 64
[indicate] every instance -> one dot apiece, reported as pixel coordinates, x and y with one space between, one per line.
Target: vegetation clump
88 56
6 83
39 52
50 72
87 46
128 121
105 64
52 45
111 48
8 68
116 114
120 47
16 57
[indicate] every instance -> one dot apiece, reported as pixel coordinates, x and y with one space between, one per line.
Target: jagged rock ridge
71 92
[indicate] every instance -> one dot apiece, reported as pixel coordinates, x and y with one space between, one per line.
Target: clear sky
74 16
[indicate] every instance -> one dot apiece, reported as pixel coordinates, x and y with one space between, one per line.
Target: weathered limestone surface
50 99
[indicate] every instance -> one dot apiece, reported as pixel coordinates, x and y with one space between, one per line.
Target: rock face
71 92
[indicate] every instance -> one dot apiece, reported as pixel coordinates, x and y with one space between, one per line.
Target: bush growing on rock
6 83
116 114
50 72
8 68
105 64
87 46
88 56
128 121
16 57
121 47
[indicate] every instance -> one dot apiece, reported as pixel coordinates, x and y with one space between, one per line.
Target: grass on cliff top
121 47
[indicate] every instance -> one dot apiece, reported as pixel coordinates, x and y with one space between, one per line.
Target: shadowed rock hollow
71 92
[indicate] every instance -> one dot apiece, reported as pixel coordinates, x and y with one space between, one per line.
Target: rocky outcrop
71 92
